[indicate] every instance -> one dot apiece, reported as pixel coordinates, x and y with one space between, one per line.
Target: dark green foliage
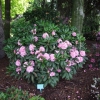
14 93
41 13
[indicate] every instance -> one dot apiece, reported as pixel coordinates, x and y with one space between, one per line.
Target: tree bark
7 19
78 14
2 53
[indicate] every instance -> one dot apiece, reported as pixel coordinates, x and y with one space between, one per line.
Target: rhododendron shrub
48 53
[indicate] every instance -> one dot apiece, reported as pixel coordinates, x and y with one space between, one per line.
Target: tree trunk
7 19
78 14
2 54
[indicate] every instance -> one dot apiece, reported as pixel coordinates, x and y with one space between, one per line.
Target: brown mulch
78 88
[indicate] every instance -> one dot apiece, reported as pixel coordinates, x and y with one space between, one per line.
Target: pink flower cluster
45 35
22 51
46 56
70 62
74 52
79 59
35 38
19 43
31 47
30 69
74 34
29 66
63 45
68 69
52 74
18 64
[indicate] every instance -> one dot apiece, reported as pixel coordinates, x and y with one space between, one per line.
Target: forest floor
78 88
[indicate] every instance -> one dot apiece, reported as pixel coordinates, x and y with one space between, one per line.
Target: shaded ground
79 88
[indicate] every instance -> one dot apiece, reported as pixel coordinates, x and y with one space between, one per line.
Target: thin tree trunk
78 14
2 54
7 19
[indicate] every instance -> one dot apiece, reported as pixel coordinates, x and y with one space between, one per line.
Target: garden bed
78 88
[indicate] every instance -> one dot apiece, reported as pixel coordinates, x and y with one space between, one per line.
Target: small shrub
14 93
36 98
47 53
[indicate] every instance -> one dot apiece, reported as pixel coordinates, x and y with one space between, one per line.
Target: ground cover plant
13 93
46 53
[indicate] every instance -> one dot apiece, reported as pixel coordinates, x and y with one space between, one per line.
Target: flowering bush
47 53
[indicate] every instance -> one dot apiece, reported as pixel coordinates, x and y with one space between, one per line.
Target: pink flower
46 56
40 59
73 63
42 49
32 63
59 40
74 34
76 42
32 52
79 59
52 57
18 69
40 55
29 69
22 51
82 53
58 70
19 43
53 32
18 63
62 45
35 38
25 64
72 54
68 43
37 52
45 35
73 49
76 52
52 74
31 47
67 69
